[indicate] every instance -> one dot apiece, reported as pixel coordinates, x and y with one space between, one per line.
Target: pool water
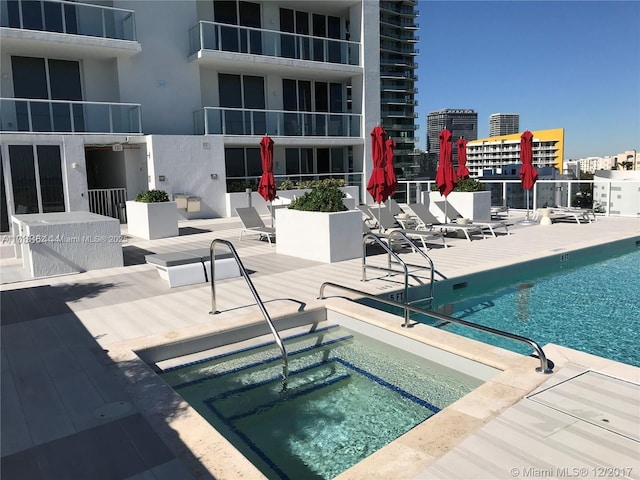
347 396
594 308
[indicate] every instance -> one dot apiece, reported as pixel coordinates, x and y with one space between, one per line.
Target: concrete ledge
192 267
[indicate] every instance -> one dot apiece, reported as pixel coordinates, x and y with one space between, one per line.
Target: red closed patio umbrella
378 186
446 179
392 181
267 185
528 173
463 171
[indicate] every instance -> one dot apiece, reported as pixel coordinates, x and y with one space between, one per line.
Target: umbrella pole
272 212
527 220
446 202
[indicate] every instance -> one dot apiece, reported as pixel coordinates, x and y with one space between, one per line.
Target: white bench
193 266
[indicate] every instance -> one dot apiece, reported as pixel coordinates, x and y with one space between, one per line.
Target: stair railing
245 274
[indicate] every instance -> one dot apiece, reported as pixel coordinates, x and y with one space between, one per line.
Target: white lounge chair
388 223
422 213
252 224
580 215
455 215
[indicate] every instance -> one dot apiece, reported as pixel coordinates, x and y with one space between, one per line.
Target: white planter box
323 237
475 206
152 220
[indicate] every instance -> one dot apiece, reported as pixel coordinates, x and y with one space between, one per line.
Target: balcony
207 37
239 121
61 116
67 28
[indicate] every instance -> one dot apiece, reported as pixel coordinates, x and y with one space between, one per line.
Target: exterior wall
618 191
187 162
368 88
100 80
160 77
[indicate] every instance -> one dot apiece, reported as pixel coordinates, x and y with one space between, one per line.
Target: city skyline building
503 124
460 122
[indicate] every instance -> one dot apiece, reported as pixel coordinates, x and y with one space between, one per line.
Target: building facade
460 122
503 124
491 154
100 103
397 80
592 164
627 160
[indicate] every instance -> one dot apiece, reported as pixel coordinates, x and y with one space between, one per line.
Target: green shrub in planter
152 196
325 196
466 185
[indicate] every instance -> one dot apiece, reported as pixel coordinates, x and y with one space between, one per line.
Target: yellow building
493 153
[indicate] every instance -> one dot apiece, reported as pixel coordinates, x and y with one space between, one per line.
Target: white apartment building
591 164
103 100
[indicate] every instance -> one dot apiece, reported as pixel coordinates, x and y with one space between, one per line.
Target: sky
558 64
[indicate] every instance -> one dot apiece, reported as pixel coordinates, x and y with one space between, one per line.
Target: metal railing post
254 292
545 366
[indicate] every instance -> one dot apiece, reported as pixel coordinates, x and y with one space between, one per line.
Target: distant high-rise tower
503 124
397 80
460 122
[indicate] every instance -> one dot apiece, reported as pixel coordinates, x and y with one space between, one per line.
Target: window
40 78
328 161
316 25
243 162
305 96
242 91
243 14
36 178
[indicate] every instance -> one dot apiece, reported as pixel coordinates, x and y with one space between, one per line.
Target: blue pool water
348 396
593 308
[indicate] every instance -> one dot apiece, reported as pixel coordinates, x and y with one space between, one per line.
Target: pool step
241 348
248 400
258 363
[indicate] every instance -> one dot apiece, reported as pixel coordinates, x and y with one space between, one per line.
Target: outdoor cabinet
181 201
193 204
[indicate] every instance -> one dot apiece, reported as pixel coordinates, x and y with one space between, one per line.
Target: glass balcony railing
238 121
61 116
69 17
256 41
599 195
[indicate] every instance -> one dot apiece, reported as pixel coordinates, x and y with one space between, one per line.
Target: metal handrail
390 252
376 239
245 274
404 236
544 363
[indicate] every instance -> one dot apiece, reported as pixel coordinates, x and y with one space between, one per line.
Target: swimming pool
593 308
349 394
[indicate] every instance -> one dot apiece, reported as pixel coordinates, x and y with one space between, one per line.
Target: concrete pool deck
72 406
